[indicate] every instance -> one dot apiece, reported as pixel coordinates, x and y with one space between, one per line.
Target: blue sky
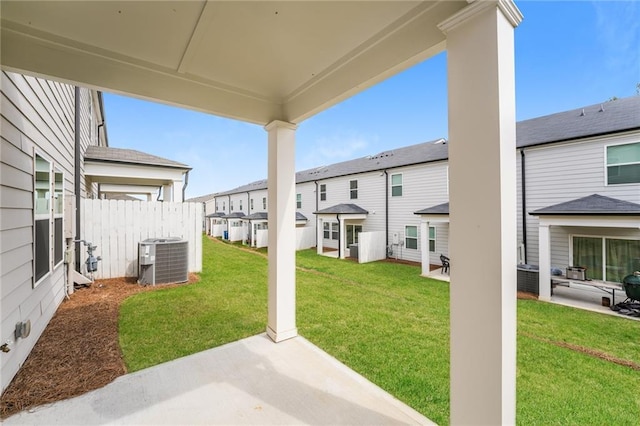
568 55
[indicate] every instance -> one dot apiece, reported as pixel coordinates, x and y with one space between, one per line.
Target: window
48 217
334 231
411 237
323 192
251 204
623 164
230 206
216 206
396 185
432 239
58 199
352 234
42 218
235 224
224 206
298 201
240 204
326 231
607 259
264 203
353 189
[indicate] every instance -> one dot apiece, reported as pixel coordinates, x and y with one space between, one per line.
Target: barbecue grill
631 284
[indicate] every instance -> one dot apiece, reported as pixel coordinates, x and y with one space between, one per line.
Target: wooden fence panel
117 226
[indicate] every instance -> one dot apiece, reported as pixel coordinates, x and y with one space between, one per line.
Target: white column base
282 335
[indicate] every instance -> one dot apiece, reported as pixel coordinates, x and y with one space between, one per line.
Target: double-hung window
264 203
432 239
411 237
353 231
230 206
396 185
323 192
224 206
251 204
48 217
623 163
240 205
326 230
334 231
353 189
298 201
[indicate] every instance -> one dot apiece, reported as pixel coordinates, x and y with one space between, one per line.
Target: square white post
342 241
282 231
544 271
482 172
424 248
167 193
319 236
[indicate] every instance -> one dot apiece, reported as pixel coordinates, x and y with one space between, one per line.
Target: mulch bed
78 351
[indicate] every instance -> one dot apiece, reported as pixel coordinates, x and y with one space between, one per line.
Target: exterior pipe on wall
184 187
248 203
317 221
339 236
386 212
76 173
524 203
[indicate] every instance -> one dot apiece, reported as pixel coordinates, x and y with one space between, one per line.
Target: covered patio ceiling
252 61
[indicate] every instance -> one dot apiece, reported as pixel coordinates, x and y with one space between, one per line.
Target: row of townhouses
578 189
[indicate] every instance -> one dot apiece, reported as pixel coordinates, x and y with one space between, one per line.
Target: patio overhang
278 63
435 214
593 211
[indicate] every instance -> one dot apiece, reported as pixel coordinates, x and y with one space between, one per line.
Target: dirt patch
78 351
527 296
587 351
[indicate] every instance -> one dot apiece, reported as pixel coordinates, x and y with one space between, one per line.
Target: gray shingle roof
256 216
599 119
343 209
234 215
593 205
129 156
607 117
216 214
202 198
439 209
300 217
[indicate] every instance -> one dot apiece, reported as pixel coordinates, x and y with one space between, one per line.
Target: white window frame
251 203
335 231
230 205
353 191
397 185
326 230
53 213
224 206
606 164
264 203
298 201
323 192
216 206
240 205
353 232
434 239
406 237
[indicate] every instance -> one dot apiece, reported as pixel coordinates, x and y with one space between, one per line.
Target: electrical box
395 238
146 254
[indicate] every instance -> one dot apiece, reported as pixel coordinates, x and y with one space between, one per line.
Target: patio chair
445 263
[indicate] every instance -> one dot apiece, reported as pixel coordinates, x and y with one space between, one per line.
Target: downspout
386 212
316 183
229 204
524 204
184 187
76 172
159 193
339 236
248 203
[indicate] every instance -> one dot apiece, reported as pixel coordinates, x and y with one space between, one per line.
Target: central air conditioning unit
163 260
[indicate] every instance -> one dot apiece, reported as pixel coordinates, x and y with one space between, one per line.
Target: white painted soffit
129 174
253 61
592 221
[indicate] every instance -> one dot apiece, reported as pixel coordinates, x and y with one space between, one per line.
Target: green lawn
392 326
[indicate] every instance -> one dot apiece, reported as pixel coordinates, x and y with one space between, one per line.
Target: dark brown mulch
78 351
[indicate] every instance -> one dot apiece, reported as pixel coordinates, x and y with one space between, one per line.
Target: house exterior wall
257 197
562 172
424 185
38 117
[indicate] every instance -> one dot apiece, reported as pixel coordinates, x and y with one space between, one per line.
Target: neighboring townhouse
55 158
46 128
560 158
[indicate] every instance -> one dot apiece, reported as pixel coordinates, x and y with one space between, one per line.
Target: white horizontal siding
36 116
563 172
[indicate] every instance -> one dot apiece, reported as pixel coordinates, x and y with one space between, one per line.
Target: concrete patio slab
252 381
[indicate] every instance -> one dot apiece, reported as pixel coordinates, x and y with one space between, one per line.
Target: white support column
320 236
482 173
177 191
544 272
167 193
342 241
282 231
424 247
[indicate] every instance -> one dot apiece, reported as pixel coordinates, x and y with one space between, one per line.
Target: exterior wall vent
163 260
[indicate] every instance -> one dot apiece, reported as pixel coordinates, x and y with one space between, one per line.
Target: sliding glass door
608 259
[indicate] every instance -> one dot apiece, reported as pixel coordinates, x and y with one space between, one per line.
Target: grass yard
392 326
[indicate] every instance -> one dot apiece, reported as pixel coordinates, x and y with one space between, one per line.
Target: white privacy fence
305 237
371 246
117 226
